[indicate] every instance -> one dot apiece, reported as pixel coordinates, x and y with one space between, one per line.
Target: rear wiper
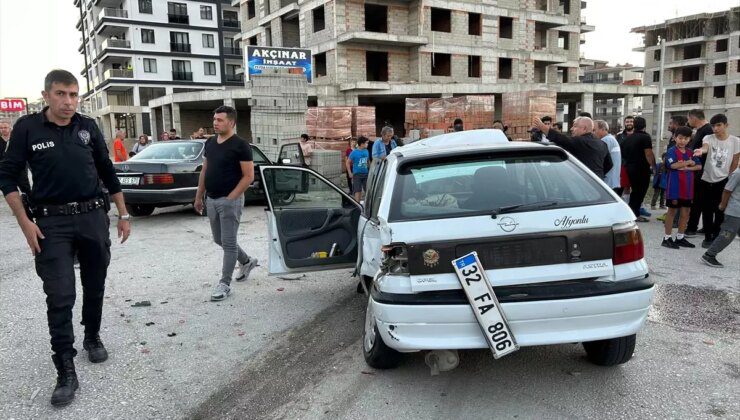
530 206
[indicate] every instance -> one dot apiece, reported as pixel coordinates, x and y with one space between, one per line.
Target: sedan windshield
473 185
170 151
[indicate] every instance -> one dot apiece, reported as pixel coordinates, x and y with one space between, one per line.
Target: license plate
128 180
485 305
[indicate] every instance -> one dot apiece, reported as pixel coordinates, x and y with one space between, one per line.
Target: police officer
67 155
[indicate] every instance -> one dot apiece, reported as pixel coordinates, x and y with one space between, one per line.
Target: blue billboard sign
261 58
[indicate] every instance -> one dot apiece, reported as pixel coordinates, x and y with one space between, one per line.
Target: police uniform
67 204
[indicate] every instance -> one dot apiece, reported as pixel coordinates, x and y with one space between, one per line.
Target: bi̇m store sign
261 58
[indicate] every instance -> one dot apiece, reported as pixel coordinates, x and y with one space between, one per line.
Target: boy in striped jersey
680 165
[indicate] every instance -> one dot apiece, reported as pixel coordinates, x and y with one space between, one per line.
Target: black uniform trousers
639 181
712 216
697 206
87 236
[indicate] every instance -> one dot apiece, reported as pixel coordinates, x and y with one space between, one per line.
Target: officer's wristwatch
126 217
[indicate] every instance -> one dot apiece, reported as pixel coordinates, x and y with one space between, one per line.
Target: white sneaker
245 269
220 292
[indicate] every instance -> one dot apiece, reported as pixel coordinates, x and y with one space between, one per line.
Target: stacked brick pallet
363 122
340 122
519 108
433 116
278 110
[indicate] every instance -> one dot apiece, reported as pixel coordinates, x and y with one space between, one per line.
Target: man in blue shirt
358 167
385 144
601 131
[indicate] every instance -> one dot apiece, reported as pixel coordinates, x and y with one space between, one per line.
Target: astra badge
431 258
84 136
507 224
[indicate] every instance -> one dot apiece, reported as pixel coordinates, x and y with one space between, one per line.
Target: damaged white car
561 251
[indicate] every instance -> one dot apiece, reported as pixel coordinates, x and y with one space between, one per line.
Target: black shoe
669 243
700 231
67 384
711 261
96 351
690 233
706 243
684 243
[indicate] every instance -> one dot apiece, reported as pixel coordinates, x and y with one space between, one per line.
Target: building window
177 13
656 55
208 41
692 51
565 7
505 27
689 96
720 69
563 75
615 111
691 74
209 67
376 18
376 63
206 12
474 66
250 9
656 76
719 91
475 24
737 89
319 65
147 36
150 65
319 22
253 40
145 6
181 70
721 45
441 64
504 68
179 42
230 19
564 40
441 20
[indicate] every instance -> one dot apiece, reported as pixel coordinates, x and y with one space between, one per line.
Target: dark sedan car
166 174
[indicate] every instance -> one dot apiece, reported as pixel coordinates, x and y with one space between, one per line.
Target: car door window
258 157
303 189
291 154
378 191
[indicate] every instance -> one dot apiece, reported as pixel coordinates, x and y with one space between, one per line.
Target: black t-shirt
224 171
633 152
696 142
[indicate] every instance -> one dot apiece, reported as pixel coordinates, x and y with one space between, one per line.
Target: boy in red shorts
680 165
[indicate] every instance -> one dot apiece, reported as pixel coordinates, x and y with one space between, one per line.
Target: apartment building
696 61
137 50
614 110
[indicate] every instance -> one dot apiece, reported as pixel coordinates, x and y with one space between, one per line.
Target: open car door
316 229
291 154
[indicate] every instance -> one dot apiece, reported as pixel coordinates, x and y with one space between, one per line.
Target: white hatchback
561 250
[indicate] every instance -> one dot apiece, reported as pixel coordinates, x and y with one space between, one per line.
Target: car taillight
628 246
154 179
395 259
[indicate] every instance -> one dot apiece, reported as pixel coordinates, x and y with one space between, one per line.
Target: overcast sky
38 35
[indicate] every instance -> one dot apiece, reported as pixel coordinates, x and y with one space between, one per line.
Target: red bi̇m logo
12 105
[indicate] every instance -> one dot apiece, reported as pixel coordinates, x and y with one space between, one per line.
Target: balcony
177 18
115 43
686 63
587 28
179 47
118 74
236 78
381 38
231 23
233 51
182 75
110 12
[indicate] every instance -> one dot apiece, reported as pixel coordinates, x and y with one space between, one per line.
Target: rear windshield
170 151
470 185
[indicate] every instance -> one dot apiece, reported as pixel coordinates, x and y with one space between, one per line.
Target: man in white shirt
722 155
601 131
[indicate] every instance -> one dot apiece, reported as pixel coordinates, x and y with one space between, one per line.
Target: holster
106 200
27 205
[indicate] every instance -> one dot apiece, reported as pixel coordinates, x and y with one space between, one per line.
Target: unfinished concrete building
696 60
614 110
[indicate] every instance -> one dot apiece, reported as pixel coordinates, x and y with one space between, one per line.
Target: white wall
164 69
159 12
162 40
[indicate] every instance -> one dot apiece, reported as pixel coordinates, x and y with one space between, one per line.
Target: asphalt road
290 348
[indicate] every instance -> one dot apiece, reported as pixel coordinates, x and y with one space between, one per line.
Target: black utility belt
69 209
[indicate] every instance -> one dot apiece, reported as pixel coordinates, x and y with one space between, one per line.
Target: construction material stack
278 108
519 108
427 117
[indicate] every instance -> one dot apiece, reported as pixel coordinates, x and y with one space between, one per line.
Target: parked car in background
166 174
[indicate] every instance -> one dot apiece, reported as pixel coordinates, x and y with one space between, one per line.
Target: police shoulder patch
84 136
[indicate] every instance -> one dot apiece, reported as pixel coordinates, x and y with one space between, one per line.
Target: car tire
610 352
138 210
284 199
377 354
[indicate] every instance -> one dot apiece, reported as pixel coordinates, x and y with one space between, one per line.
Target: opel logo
507 224
125 168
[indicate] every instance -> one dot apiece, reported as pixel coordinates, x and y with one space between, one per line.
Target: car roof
451 143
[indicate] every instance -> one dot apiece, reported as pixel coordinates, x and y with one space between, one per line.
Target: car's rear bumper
410 327
172 196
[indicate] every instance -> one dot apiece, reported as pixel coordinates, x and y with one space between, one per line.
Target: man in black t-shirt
228 170
639 162
698 121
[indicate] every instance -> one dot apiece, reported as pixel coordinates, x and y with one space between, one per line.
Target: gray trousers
224 215
730 227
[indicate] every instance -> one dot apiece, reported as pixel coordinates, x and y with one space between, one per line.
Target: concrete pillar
137 98
229 102
629 105
112 119
587 103
153 124
139 124
570 116
166 117
176 119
